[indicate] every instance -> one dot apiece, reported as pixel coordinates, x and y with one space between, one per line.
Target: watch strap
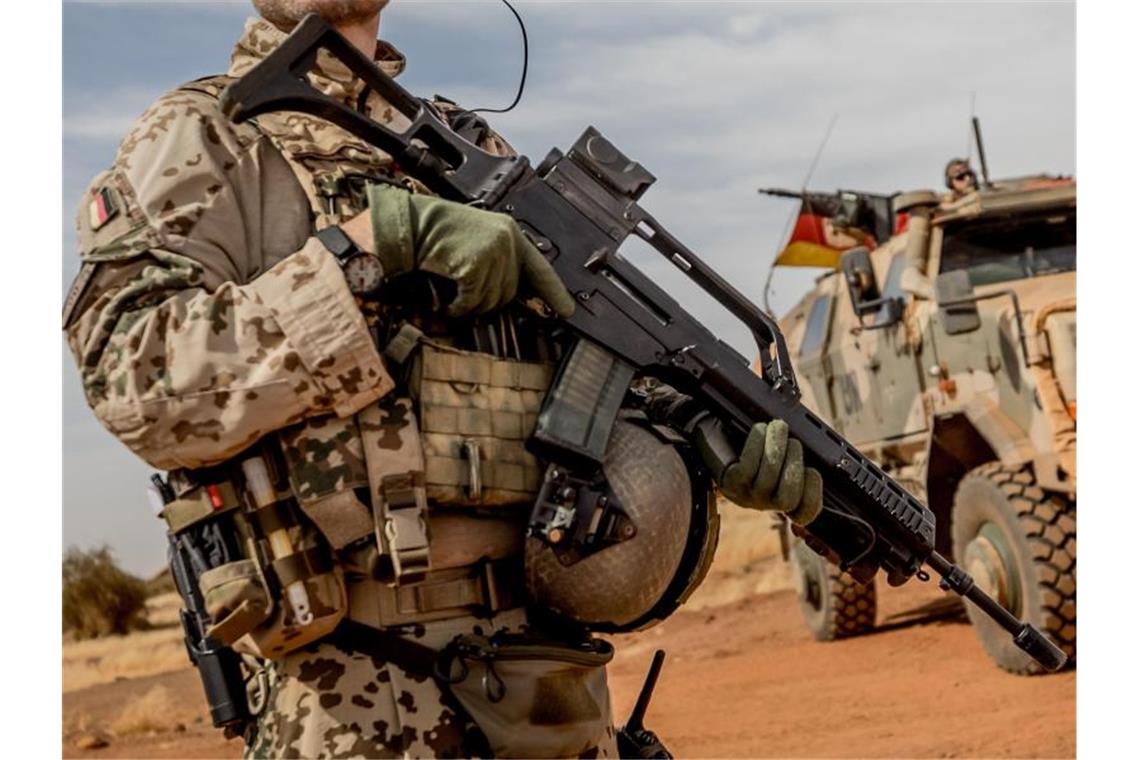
339 244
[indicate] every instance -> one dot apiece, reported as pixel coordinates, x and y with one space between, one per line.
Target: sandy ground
743 678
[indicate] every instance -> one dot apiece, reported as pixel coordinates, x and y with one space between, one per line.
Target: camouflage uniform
207 317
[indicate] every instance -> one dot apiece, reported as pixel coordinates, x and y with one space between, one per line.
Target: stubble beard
286 14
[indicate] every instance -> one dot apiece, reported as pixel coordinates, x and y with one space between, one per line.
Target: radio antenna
819 151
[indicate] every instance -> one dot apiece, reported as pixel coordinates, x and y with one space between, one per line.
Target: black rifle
577 208
218 666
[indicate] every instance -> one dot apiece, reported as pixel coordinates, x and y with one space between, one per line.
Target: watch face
364 273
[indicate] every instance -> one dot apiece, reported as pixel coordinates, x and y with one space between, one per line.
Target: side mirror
860 279
957 304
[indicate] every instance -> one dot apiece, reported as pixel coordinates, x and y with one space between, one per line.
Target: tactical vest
421 497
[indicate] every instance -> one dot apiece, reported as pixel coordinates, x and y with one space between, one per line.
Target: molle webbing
200 503
274 517
484 588
476 412
303 565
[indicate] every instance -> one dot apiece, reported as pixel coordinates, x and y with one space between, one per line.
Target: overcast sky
714 98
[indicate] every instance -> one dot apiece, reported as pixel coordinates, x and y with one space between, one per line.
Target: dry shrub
154 711
99 598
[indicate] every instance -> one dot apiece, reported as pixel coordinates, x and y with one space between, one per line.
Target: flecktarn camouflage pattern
327 701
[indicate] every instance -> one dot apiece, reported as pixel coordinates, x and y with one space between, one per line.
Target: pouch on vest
266 575
531 697
324 458
476 412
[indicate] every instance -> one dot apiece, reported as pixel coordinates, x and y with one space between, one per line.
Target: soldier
960 178
236 295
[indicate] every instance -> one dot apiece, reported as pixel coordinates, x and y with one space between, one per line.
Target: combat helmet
947 171
667 534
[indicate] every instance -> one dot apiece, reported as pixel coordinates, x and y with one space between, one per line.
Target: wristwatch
362 270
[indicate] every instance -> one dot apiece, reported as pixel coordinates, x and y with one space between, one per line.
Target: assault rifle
577 208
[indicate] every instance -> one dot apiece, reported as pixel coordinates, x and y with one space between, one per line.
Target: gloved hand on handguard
769 474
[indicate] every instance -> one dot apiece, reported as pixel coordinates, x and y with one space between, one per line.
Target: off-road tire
843 608
1041 531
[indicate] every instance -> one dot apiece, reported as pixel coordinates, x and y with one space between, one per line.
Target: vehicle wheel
834 604
1020 545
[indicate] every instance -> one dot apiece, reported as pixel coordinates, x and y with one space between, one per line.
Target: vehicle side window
891 288
816 326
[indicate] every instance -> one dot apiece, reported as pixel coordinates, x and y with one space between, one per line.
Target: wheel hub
989 560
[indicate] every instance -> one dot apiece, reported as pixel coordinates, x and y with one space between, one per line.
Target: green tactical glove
769 473
483 252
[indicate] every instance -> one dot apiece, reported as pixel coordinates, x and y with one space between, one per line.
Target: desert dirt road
744 679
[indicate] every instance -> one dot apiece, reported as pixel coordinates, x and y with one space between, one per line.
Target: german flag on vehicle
830 223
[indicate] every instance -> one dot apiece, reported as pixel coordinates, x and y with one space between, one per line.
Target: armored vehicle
945 348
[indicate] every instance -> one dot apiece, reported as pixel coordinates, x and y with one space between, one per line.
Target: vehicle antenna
981 153
796 211
819 151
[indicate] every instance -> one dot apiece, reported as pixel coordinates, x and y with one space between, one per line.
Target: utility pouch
208 521
530 697
476 413
236 599
266 575
307 585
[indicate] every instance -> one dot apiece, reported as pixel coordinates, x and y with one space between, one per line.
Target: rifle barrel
780 192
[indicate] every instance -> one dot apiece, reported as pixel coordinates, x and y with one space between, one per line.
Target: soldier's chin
286 14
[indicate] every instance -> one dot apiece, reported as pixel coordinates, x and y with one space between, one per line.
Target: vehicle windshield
1012 248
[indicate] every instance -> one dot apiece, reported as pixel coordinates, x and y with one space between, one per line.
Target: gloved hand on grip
769 473
484 253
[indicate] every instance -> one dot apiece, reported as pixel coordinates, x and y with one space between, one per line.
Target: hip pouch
530 697
266 575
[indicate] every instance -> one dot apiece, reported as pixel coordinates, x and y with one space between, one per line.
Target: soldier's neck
362 34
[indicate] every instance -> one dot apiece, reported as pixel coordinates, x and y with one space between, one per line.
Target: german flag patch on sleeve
104 206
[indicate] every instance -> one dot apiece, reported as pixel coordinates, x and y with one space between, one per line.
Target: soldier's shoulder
168 168
186 120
